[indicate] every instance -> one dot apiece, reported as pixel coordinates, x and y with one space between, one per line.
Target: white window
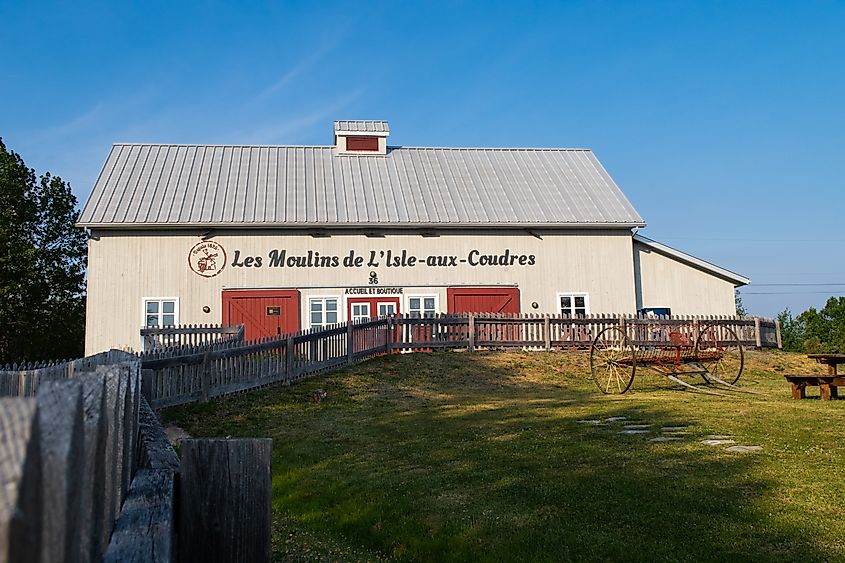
323 311
422 306
386 309
161 312
360 312
573 304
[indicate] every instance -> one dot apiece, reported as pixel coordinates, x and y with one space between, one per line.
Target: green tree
42 265
791 331
825 329
740 308
815 331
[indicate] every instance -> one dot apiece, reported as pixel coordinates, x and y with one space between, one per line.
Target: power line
782 273
796 284
786 293
756 239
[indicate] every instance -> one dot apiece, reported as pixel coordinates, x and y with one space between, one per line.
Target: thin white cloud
99 117
328 44
282 130
292 73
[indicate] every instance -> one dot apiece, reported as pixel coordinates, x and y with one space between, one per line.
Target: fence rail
198 373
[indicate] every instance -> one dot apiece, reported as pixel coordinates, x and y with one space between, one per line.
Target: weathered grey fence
188 374
87 474
190 335
70 438
24 380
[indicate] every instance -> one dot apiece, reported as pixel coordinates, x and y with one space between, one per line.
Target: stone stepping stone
634 431
590 421
715 442
664 439
744 449
615 419
717 437
636 426
673 428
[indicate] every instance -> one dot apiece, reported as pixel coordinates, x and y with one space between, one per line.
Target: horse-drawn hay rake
715 354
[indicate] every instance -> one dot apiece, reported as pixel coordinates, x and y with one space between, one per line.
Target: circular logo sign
207 258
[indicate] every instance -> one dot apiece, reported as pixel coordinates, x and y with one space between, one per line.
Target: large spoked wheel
612 361
720 352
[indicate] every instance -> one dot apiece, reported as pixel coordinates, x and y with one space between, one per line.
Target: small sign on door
274 311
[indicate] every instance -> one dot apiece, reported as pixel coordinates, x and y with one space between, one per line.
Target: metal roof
661 248
362 126
144 185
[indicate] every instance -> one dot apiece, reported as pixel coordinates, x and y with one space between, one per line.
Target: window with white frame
360 312
386 309
422 306
160 313
573 304
323 311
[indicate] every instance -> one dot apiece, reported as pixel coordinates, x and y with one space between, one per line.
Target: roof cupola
361 137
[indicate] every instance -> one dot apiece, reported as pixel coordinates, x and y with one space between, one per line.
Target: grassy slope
457 456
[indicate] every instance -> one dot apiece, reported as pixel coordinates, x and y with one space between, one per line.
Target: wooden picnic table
830 360
828 384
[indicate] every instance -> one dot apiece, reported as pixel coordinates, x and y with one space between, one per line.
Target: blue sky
723 122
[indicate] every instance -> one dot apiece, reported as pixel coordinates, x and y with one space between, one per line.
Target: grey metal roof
143 185
737 279
362 126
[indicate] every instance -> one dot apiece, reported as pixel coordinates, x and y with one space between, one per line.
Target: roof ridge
559 149
392 147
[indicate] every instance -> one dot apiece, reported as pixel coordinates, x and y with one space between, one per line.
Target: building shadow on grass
440 459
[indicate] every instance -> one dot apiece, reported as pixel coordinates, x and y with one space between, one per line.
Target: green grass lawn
466 457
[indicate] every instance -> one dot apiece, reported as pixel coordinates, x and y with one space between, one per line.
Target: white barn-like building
282 238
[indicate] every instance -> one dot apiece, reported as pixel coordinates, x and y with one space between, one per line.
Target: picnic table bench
827 384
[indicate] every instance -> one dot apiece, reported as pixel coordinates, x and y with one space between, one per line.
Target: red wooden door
483 299
263 312
487 300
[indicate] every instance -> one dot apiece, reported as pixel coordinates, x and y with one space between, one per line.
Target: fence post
623 326
205 377
61 426
289 357
225 493
471 330
758 339
547 332
389 339
777 334
349 342
21 504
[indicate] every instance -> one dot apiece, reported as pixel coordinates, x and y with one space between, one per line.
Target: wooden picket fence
190 335
87 474
197 373
23 380
78 448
